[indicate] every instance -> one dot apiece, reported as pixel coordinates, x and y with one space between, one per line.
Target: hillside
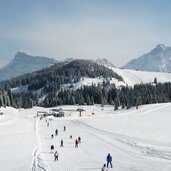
64 73
85 82
132 77
47 87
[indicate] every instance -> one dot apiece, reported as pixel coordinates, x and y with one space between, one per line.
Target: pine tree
155 80
10 97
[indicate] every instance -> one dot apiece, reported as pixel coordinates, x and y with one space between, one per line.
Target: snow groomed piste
138 140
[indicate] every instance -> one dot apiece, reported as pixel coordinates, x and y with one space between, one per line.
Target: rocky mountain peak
158 59
23 63
104 61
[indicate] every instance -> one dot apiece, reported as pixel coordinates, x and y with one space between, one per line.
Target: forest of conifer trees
46 88
106 94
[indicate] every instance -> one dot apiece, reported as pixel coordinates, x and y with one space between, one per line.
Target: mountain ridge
158 59
23 63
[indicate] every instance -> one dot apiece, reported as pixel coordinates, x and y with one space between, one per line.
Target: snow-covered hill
24 63
138 140
159 59
132 77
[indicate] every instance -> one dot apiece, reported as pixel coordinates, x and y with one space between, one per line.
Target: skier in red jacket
76 143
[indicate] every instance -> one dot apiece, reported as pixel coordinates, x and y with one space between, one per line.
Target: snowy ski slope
139 140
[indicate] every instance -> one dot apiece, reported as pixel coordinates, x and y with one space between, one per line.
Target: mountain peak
21 54
23 63
158 59
21 51
161 47
104 61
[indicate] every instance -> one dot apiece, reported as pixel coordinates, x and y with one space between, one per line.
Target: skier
62 143
48 124
52 136
104 168
56 132
79 139
56 155
64 128
70 137
52 147
109 160
76 143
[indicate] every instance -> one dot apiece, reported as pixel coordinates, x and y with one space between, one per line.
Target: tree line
104 94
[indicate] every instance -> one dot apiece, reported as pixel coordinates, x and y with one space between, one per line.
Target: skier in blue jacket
109 160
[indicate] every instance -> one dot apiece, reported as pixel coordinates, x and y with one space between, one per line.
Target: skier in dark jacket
64 128
62 143
79 139
109 160
52 147
56 155
56 132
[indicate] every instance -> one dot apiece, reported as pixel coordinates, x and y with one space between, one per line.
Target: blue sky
118 30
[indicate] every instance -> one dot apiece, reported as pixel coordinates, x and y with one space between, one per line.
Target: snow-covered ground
132 77
17 141
138 140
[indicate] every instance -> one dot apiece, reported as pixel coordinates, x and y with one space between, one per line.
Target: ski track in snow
132 142
39 160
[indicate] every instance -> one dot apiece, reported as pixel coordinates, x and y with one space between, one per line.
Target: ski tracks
128 145
39 162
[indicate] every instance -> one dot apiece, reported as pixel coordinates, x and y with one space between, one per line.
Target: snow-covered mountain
23 63
104 61
158 59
